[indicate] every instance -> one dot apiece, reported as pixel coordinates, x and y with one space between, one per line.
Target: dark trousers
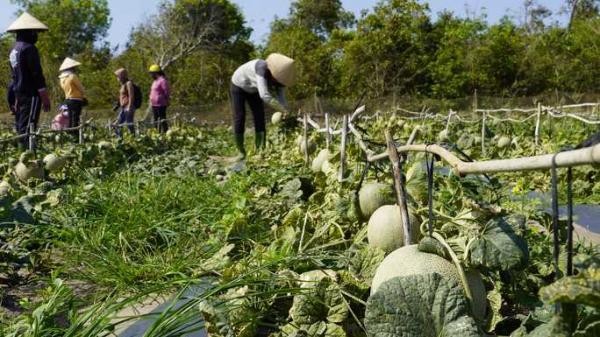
125 117
238 101
160 118
75 107
28 112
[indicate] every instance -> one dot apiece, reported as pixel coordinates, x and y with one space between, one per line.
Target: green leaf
498 247
495 300
581 289
321 302
433 246
364 262
555 328
427 305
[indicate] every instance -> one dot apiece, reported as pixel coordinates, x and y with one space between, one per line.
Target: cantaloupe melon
408 260
302 145
276 118
322 157
374 195
4 188
442 136
385 229
29 170
54 163
503 142
104 145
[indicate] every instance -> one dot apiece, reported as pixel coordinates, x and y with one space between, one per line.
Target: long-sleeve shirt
71 86
160 92
253 77
27 75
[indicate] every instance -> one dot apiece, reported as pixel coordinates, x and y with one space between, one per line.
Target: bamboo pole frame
399 187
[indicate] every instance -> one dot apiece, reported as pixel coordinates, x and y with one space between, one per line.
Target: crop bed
288 249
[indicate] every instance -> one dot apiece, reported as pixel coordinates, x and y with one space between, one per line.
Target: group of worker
251 83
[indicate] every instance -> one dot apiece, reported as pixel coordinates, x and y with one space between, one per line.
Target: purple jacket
160 92
27 75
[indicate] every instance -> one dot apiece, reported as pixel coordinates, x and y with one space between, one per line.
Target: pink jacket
160 92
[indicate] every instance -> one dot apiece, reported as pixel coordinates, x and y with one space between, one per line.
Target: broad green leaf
321 302
495 300
427 305
364 262
498 247
581 289
555 328
433 246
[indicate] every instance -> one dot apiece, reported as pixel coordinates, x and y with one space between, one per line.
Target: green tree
184 26
391 50
320 16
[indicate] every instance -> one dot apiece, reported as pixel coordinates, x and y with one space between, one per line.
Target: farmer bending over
252 83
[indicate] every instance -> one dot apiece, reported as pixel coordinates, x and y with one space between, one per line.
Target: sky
260 13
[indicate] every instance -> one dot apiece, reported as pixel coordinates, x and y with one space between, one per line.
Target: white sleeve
263 89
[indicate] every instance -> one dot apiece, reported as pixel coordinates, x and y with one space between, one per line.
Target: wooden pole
475 103
31 137
483 134
328 130
305 140
399 187
343 148
80 134
537 124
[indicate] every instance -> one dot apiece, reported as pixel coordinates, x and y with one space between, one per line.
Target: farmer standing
28 84
160 94
253 82
126 100
74 92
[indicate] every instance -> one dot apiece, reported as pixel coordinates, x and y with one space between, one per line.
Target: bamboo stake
343 148
399 187
305 140
585 156
31 137
537 125
483 134
475 103
328 130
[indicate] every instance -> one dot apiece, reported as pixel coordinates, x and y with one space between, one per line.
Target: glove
45 99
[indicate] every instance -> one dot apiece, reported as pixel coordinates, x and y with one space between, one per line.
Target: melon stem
456 261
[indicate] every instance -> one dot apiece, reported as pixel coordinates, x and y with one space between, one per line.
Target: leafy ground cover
283 245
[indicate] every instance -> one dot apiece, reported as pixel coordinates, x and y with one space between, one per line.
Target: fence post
475 104
483 134
80 134
537 124
305 139
399 187
343 148
31 137
328 134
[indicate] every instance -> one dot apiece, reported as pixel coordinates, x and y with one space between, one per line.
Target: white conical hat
26 22
68 63
282 68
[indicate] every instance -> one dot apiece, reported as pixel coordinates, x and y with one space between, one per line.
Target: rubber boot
260 140
239 143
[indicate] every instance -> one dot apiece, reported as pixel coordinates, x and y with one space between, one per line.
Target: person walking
28 84
126 101
74 93
160 95
252 83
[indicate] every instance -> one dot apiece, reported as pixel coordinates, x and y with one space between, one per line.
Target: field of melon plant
286 247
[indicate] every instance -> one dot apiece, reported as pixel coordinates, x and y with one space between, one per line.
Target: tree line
395 47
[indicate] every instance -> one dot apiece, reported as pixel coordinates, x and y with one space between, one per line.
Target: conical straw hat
26 22
282 68
68 63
